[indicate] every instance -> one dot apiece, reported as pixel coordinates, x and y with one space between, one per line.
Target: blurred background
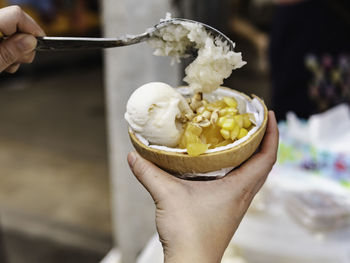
55 195
66 193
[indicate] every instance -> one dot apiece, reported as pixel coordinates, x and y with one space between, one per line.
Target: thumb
157 182
14 48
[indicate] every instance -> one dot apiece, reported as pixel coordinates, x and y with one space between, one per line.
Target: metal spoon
72 43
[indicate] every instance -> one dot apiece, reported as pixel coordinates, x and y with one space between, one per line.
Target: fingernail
131 159
26 43
40 33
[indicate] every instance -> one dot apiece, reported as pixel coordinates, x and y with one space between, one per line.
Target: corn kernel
232 111
223 112
229 124
243 132
221 121
239 120
195 149
234 133
225 134
219 104
246 121
231 102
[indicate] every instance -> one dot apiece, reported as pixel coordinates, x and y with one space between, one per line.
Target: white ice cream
153 111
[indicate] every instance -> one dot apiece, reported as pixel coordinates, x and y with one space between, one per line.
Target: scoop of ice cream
153 111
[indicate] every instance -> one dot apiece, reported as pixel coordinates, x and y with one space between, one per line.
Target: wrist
189 257
186 253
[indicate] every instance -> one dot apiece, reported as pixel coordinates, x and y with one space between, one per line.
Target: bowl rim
185 155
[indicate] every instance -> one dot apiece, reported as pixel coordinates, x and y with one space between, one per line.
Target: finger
13 68
27 59
156 181
36 29
13 19
271 138
14 48
259 165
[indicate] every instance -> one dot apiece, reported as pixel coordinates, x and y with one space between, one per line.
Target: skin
197 219
20 31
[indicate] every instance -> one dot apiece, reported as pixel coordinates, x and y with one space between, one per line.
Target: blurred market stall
76 17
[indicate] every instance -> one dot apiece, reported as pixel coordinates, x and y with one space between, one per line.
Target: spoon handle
73 43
